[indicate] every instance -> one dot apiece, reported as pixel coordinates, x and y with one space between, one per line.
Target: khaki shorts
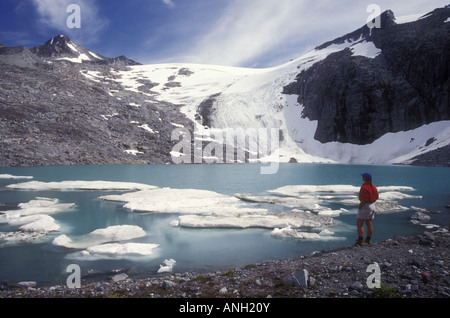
367 212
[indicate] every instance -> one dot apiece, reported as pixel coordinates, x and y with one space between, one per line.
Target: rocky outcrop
52 114
357 99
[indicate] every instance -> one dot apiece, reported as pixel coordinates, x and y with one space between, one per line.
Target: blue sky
250 33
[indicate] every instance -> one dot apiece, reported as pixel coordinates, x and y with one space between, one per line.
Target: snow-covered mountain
62 48
350 100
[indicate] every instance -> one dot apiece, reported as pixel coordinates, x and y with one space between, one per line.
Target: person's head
367 177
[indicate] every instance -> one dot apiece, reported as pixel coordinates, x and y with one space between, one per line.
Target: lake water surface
201 249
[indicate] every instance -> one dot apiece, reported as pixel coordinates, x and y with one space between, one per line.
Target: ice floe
113 233
33 219
309 205
120 249
9 176
294 219
293 233
38 206
107 243
168 267
80 185
182 201
303 202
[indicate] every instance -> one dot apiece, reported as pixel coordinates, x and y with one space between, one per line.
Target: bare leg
369 228
359 227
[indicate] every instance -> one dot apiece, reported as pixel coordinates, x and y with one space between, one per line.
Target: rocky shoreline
407 267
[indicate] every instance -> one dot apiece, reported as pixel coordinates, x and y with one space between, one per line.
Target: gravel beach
402 267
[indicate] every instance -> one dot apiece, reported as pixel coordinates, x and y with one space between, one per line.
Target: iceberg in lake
270 220
33 219
38 206
143 249
293 233
181 201
168 267
80 185
9 176
110 234
209 209
203 208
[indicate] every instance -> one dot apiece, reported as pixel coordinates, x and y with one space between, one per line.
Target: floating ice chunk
110 234
119 232
294 219
284 232
296 190
326 232
329 212
144 249
39 206
309 236
9 176
290 232
40 223
20 237
395 188
188 201
394 195
169 263
81 185
62 240
305 202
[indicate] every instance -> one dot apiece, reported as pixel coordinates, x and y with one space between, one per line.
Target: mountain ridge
62 104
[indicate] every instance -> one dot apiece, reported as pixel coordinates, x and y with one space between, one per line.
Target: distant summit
387 20
62 48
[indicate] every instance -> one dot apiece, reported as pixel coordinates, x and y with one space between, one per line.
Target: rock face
357 99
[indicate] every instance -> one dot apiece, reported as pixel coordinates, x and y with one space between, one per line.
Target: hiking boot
366 242
358 242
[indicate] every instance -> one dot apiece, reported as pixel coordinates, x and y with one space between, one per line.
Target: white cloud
262 32
53 15
169 3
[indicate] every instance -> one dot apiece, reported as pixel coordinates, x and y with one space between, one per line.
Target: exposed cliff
357 99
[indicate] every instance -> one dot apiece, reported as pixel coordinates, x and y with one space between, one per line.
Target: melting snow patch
367 49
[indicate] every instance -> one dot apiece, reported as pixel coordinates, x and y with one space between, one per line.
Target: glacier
253 98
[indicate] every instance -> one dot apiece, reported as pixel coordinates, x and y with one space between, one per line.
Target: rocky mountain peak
59 46
387 20
58 40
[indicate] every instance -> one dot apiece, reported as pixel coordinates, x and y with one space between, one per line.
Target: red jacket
368 193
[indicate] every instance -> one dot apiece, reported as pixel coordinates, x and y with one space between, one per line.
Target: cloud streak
267 32
169 3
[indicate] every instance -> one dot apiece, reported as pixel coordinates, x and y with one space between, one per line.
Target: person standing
368 195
